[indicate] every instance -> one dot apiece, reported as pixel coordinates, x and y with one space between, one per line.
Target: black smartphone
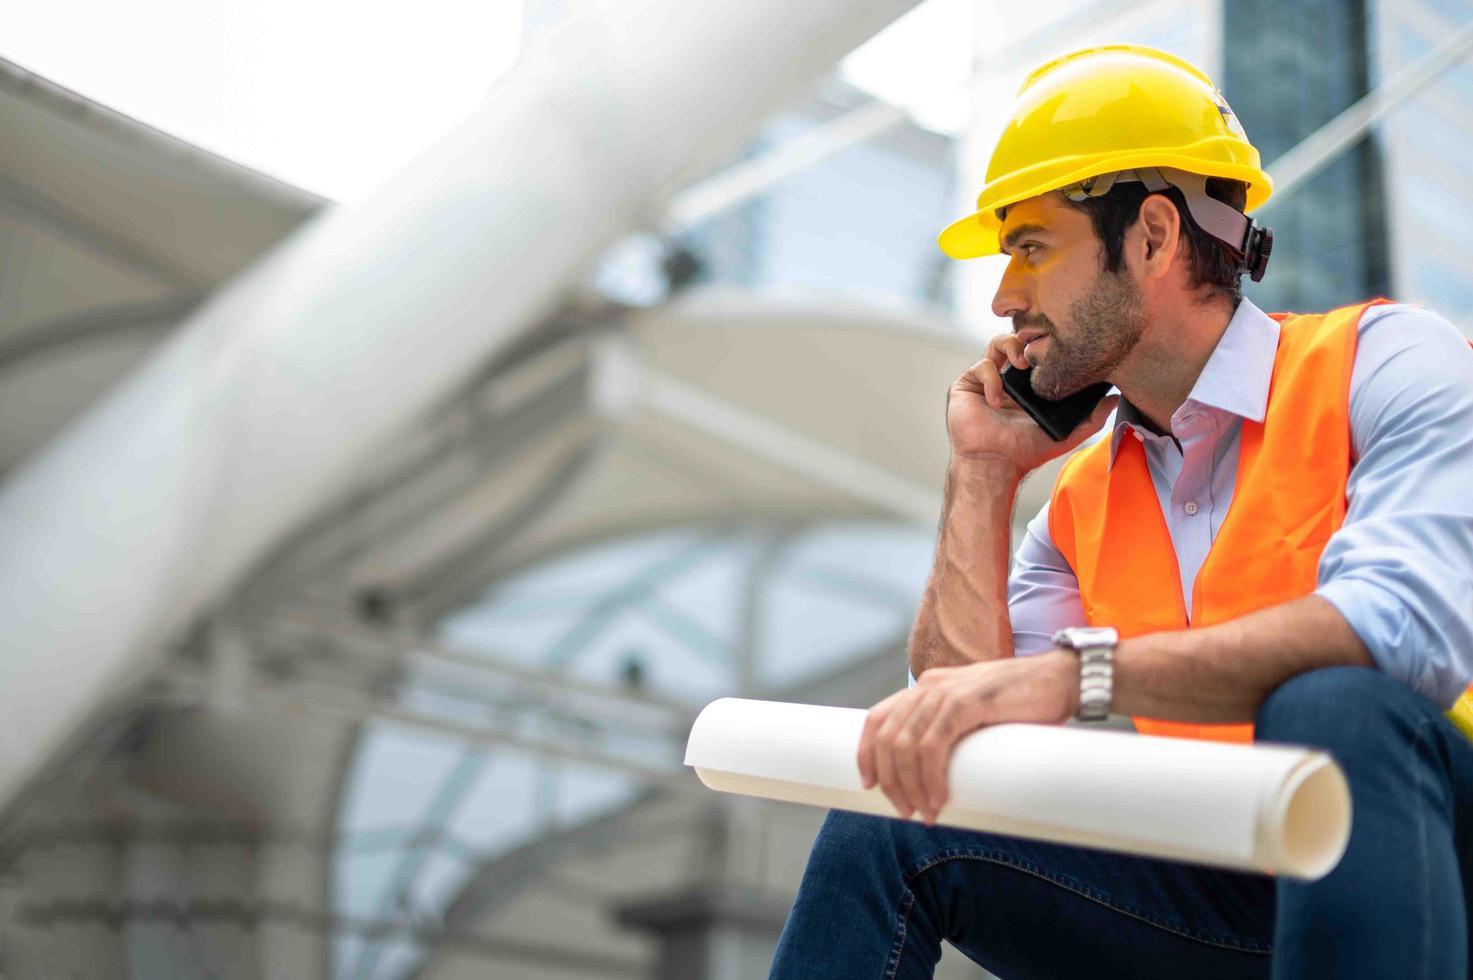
1057 418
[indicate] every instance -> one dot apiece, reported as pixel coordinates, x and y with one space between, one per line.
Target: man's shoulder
1413 367
1408 316
1398 330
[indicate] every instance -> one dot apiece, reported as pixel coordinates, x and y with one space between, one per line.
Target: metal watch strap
1096 648
1095 682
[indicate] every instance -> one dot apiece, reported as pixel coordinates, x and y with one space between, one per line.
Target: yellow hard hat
1102 110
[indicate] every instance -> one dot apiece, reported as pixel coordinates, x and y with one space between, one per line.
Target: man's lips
1030 337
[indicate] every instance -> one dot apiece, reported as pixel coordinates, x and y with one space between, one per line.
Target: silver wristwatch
1096 648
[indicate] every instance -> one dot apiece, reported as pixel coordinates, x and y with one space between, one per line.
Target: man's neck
1160 371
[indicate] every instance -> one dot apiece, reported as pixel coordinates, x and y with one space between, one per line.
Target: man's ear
1160 229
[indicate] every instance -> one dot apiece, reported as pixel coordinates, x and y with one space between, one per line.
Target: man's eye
1027 245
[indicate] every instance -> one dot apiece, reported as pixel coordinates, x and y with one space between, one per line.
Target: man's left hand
909 737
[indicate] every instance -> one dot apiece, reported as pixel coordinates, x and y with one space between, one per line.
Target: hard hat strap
1252 244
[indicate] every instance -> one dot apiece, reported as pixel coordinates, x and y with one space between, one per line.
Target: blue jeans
880 895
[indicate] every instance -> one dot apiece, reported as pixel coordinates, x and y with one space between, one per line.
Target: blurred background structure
390 676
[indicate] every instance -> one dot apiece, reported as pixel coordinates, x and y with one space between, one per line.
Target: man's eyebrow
1012 237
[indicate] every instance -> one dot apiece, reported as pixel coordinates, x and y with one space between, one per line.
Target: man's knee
846 837
1343 709
859 843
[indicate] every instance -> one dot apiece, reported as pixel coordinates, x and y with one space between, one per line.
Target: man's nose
1010 299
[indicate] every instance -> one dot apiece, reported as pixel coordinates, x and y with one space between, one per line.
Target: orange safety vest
1288 498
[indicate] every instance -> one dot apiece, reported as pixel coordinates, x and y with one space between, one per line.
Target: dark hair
1211 263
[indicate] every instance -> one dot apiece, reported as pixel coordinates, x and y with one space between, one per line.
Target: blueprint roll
1273 809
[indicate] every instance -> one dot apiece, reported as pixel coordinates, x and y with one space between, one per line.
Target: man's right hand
984 422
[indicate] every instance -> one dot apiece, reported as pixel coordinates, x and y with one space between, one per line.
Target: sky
333 96
329 95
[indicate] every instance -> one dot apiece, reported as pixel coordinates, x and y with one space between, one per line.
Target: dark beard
1107 321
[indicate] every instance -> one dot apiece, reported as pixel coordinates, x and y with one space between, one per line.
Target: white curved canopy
112 232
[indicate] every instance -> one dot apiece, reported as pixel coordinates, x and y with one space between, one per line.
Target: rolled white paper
1275 809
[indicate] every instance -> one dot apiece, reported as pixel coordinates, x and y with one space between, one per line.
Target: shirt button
1191 508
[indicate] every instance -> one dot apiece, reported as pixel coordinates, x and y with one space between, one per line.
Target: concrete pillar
711 932
724 923
63 916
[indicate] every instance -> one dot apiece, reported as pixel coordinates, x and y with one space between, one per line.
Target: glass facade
1429 139
684 615
1287 70
861 222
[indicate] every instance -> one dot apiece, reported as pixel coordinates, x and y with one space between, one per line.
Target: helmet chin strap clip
1252 244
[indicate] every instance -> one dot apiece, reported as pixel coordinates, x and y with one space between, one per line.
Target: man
1279 525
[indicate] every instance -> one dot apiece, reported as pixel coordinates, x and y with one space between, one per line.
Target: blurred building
437 732
1291 69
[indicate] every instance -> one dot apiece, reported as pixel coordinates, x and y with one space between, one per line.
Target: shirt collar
1235 378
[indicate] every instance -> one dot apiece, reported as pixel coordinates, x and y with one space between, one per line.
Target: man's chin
1054 388
1047 385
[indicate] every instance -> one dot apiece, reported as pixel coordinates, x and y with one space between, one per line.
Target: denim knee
1343 709
882 844
846 835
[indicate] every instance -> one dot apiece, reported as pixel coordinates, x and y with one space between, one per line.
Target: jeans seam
1078 888
906 904
1425 748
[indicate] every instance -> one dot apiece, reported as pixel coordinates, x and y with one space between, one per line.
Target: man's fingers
885 777
987 373
872 723
886 765
1006 349
906 751
935 752
960 715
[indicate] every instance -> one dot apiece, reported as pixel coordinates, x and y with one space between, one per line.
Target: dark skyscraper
1289 68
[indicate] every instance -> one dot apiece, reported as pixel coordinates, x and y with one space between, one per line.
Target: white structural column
261 409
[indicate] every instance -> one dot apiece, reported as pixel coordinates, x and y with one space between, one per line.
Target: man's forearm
964 612
1222 673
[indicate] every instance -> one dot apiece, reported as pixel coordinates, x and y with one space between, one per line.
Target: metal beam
833 468
32 207
424 648
603 613
18 344
47 915
500 878
1320 148
770 551
442 808
754 177
338 705
464 444
454 580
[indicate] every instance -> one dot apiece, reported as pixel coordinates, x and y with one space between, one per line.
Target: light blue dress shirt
1400 568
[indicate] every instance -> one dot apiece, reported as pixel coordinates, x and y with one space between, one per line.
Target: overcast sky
329 95
333 95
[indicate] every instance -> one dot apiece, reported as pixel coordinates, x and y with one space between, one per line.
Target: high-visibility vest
1288 498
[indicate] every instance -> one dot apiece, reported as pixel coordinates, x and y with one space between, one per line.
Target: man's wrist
991 468
1067 663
